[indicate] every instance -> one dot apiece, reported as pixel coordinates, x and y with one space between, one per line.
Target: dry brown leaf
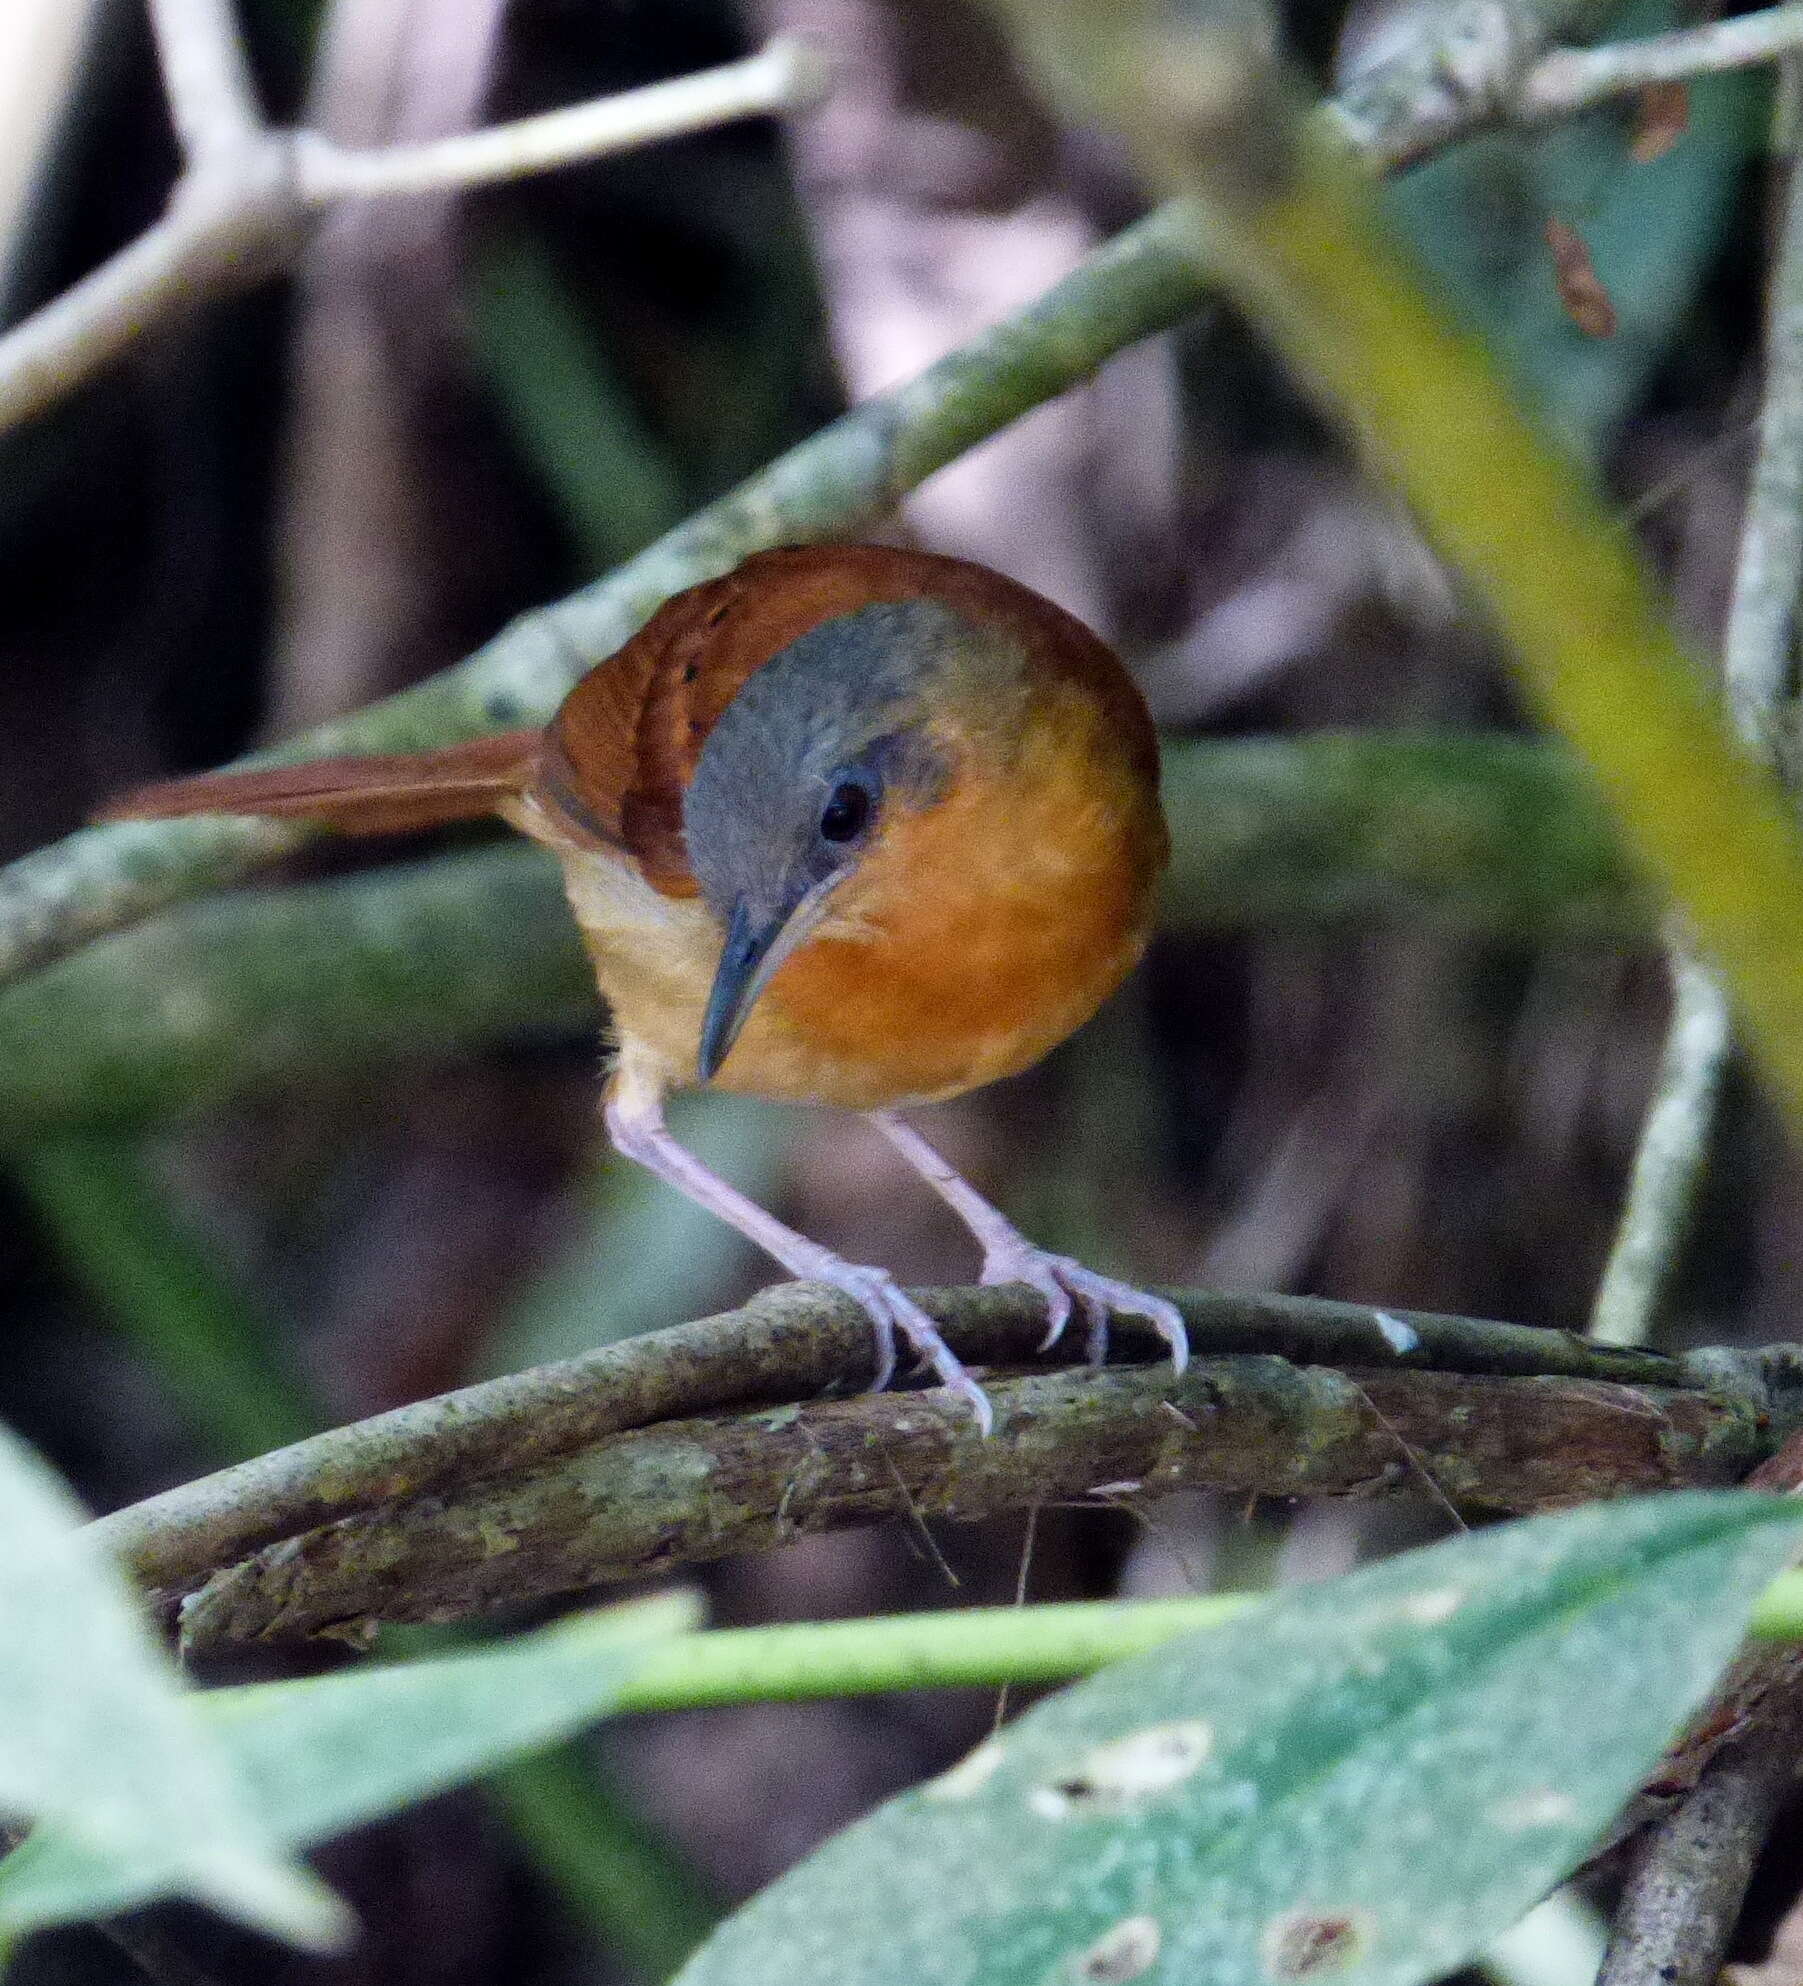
1581 291
1661 117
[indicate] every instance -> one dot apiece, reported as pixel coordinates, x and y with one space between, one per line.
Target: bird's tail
393 795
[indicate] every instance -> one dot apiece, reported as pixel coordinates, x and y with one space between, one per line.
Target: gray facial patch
841 704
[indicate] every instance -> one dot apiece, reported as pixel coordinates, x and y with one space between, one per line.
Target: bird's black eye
846 812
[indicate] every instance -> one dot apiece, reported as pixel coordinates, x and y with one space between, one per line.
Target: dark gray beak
738 981
755 946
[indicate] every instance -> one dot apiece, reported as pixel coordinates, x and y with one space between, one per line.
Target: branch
1491 65
245 991
1574 79
688 1491
1758 652
789 1343
1757 659
219 235
1670 1160
251 195
1458 80
1681 1903
788 75
1444 830
206 77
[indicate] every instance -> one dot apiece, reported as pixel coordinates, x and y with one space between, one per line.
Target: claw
889 1310
883 1327
1064 1283
1038 1273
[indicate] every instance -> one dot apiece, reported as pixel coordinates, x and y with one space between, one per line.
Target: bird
849 825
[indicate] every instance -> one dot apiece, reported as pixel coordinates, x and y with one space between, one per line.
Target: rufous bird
848 826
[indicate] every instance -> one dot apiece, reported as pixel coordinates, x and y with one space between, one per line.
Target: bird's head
827 750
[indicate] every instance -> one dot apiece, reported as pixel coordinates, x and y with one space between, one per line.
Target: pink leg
635 1122
1009 1257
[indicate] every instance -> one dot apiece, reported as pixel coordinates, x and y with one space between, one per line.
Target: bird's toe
1066 1284
891 1310
1039 1271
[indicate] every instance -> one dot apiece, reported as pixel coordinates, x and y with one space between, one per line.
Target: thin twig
1573 79
1674 1146
1683 1899
206 77
251 194
790 74
1490 65
1759 649
214 238
1758 657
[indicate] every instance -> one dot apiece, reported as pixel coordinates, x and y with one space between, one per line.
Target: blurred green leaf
1371 1777
99 1742
330 1752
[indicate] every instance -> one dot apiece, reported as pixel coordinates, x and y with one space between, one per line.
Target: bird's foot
890 1310
1066 1286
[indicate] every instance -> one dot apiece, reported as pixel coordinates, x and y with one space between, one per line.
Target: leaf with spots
1363 1781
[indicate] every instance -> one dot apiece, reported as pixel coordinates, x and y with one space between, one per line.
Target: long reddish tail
357 796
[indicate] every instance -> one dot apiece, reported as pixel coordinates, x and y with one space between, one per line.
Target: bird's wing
392 795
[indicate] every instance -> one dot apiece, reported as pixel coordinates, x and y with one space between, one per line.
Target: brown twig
1681 1902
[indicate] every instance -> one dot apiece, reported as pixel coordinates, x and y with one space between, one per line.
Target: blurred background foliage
453 410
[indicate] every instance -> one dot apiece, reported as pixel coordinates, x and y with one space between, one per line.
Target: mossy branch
679 1492
792 1342
263 986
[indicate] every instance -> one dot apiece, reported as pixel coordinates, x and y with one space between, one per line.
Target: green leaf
99 1741
327 1753
1367 1779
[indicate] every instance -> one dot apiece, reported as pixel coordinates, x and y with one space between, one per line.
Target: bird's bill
755 949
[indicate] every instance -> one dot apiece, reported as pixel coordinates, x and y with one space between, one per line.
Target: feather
392 795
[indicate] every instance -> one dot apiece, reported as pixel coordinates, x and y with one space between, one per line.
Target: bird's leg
635 1122
1009 1257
